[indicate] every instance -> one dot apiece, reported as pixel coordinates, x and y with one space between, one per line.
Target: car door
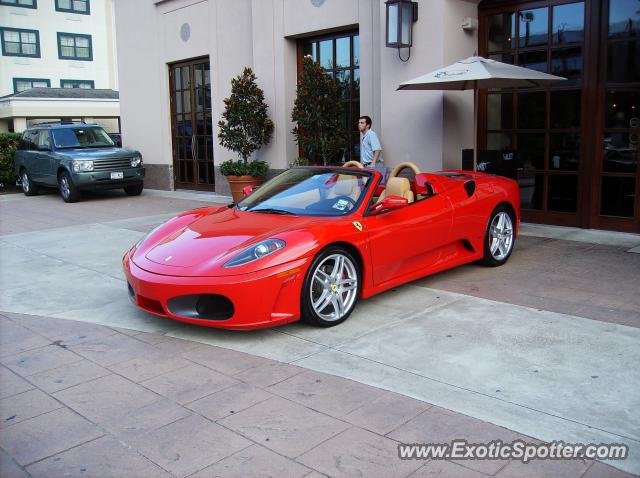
30 140
36 167
408 239
44 159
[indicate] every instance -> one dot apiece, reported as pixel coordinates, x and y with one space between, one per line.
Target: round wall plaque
185 32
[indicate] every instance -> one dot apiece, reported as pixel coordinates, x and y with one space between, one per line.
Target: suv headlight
82 165
136 161
256 252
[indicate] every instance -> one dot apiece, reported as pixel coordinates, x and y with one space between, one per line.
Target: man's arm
376 147
376 155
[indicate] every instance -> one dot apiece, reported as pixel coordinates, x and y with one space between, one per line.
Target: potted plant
245 127
319 131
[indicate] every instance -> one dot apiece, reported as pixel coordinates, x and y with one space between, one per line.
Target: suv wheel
28 187
134 190
68 190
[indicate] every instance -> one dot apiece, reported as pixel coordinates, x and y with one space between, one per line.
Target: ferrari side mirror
389 203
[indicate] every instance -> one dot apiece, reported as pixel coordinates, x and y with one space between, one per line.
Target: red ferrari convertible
312 241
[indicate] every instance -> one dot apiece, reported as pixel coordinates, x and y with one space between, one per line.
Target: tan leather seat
398 187
346 185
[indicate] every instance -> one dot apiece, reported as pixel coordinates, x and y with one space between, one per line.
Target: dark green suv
75 157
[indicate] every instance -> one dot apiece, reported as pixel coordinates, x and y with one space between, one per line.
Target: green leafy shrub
245 126
8 144
319 131
240 168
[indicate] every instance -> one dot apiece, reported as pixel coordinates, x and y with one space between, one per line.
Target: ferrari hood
222 232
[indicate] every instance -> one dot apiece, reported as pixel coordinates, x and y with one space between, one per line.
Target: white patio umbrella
477 72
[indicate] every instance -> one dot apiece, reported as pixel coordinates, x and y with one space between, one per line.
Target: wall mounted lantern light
401 14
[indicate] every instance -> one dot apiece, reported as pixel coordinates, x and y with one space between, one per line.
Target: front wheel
134 190
331 288
499 238
68 190
29 188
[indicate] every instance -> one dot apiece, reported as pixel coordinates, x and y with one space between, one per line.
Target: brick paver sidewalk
78 399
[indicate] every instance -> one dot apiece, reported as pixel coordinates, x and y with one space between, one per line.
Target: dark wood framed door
576 142
615 202
191 124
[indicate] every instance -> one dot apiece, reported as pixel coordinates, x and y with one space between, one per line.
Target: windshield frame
367 173
80 146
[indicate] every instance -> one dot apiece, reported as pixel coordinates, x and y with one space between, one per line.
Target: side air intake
470 187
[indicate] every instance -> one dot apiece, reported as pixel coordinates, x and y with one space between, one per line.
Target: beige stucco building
575 143
428 128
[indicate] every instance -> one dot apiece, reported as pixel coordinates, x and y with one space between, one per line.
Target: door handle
193 147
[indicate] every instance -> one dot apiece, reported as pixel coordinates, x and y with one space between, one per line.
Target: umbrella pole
475 127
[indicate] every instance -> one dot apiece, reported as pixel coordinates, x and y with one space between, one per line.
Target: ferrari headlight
82 165
256 252
136 161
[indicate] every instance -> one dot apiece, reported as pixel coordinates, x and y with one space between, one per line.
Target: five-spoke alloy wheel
331 287
499 238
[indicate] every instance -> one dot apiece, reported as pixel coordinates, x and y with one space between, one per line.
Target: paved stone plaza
543 347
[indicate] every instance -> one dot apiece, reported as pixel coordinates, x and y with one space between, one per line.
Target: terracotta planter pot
237 183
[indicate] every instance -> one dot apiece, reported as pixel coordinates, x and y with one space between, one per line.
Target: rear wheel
331 288
499 238
134 190
68 190
29 188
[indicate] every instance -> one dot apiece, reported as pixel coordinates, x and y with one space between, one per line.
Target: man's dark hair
367 119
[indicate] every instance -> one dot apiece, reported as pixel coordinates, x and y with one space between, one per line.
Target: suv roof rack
58 123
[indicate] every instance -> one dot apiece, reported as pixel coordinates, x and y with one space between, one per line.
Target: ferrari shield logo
358 225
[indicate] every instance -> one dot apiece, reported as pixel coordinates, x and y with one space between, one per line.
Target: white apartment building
57 44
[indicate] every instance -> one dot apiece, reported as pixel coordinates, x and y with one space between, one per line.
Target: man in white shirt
370 147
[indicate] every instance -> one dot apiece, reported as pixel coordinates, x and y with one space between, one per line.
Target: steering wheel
348 199
353 164
402 166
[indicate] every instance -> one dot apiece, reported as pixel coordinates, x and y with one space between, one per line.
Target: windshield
310 192
91 137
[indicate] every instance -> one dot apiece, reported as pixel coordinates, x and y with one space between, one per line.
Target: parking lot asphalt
544 346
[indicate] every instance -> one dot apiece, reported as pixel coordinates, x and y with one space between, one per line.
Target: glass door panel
191 125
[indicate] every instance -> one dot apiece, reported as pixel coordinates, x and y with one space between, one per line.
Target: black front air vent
202 306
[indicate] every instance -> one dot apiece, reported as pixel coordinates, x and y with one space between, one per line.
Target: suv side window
23 142
43 138
33 140
28 139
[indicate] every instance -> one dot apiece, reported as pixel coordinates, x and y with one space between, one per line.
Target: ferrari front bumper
260 299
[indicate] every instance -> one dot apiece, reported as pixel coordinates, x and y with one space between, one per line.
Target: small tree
319 131
245 126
